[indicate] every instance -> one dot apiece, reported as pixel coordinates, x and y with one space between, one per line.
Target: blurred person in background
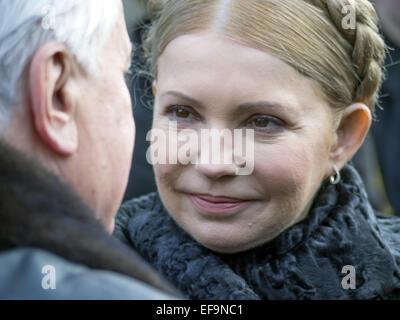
67 136
386 128
141 179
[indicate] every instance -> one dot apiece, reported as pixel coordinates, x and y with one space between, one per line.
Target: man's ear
352 130
52 104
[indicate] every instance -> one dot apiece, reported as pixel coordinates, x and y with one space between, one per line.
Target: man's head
63 98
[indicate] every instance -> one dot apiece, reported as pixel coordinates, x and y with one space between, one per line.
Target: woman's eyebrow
182 96
244 107
248 106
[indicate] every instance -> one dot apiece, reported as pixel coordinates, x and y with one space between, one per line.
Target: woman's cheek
165 174
283 172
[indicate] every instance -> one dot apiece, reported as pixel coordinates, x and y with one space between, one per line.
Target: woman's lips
212 204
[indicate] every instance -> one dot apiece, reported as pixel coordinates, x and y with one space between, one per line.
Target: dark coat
306 261
42 222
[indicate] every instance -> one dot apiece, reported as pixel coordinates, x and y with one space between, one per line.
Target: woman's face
206 81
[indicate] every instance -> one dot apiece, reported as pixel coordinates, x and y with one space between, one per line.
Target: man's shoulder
30 273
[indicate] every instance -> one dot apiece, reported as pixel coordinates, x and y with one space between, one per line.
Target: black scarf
37 210
303 262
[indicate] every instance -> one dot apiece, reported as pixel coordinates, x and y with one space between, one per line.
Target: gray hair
25 25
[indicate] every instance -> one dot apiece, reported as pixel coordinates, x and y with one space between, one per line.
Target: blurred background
141 180
377 161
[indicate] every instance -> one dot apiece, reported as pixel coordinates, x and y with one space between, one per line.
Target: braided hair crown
368 46
345 61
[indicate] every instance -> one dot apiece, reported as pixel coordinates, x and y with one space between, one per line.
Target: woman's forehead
210 65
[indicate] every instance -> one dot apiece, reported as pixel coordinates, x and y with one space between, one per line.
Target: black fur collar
38 210
304 262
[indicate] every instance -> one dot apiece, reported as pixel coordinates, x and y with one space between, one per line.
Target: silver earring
335 179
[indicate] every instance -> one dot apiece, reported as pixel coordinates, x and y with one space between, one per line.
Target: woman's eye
261 122
180 112
264 123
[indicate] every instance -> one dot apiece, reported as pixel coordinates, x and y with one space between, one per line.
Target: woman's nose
216 164
216 171
216 155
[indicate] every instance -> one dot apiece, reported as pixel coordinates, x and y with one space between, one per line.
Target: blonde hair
307 34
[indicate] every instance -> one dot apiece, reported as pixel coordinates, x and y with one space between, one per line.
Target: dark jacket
43 223
306 261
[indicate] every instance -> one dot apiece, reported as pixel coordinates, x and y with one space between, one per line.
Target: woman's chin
218 244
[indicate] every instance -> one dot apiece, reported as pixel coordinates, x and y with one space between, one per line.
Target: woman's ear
352 130
52 105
